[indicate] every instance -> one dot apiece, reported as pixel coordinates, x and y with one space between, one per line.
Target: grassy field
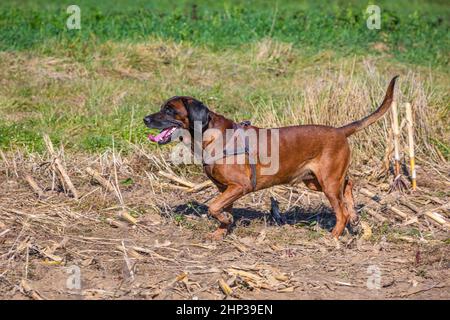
413 32
290 62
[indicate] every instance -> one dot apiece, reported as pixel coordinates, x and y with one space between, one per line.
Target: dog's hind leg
332 188
349 202
343 206
334 193
331 176
223 203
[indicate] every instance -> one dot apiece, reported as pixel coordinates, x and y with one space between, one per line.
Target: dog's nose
147 120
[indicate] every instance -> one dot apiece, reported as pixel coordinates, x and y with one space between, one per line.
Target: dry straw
410 126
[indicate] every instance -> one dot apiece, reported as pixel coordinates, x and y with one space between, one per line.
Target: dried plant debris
145 240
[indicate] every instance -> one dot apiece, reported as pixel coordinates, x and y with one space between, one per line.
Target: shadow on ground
297 215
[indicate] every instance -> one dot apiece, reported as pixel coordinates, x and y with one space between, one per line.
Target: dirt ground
46 243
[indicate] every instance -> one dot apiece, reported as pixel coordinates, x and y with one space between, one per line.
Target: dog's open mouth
164 136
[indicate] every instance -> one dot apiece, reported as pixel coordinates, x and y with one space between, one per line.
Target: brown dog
315 154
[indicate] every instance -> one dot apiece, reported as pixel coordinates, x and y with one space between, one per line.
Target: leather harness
234 152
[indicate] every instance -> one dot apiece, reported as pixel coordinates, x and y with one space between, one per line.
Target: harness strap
245 150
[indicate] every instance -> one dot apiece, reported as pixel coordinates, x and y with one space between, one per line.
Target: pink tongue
159 136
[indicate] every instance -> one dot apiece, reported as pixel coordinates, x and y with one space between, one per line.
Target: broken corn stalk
225 287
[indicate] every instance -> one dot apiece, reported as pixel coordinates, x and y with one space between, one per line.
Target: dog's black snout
147 120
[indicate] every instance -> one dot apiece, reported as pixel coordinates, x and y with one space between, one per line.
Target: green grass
262 61
443 147
414 32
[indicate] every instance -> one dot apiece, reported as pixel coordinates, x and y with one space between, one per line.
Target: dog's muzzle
167 128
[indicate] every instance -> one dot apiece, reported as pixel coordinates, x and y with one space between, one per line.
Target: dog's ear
197 111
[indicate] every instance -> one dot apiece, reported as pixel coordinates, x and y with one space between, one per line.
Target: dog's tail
356 126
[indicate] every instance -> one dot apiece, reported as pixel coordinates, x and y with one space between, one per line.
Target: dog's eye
169 111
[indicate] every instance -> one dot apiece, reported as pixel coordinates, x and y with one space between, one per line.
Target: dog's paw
355 227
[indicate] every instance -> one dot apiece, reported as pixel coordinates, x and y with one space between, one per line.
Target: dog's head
177 112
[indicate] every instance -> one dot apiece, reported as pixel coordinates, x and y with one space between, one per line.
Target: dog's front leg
224 203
